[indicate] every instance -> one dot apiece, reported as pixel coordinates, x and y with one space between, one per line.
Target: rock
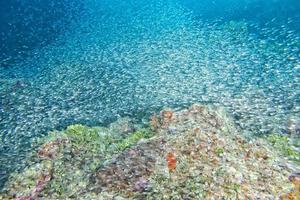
122 126
126 171
195 154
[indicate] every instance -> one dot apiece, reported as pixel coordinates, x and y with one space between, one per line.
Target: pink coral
41 182
140 185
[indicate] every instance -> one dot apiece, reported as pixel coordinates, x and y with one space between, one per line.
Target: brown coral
128 169
154 122
49 150
294 194
166 117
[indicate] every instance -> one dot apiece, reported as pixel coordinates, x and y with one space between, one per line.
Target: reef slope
195 153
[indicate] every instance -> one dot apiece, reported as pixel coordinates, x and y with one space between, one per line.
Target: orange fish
171 161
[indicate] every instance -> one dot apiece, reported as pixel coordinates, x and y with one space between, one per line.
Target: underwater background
91 62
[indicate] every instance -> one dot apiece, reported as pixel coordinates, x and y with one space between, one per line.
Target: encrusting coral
294 194
196 153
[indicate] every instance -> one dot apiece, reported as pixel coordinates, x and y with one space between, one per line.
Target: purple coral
140 185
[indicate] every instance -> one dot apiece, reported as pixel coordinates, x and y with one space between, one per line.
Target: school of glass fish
132 58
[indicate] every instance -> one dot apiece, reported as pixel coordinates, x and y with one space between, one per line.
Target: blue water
92 62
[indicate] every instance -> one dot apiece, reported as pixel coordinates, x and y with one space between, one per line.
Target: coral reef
123 173
195 153
214 162
65 160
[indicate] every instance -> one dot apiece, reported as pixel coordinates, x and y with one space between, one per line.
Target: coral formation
216 163
122 173
196 153
65 160
294 194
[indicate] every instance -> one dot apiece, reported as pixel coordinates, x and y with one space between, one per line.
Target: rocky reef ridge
195 153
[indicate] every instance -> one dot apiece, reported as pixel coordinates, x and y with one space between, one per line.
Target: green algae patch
83 134
284 146
219 151
134 138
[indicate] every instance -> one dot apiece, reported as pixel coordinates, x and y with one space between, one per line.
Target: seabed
194 153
